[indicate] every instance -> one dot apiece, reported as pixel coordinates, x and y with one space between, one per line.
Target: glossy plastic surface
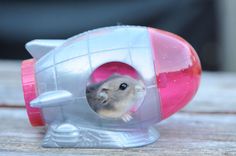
29 90
103 72
167 65
178 70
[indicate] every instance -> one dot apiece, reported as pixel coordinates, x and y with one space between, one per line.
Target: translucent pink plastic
106 70
177 69
29 90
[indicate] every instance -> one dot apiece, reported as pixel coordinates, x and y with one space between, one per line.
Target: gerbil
115 96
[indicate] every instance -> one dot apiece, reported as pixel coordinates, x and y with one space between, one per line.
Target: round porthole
115 90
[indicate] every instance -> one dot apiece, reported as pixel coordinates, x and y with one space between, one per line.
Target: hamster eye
123 86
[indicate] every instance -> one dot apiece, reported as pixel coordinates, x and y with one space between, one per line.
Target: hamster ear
92 87
115 75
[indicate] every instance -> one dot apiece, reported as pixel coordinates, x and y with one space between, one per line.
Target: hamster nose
103 95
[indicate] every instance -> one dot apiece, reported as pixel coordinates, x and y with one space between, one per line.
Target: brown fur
109 101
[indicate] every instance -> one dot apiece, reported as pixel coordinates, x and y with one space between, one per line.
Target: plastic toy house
56 79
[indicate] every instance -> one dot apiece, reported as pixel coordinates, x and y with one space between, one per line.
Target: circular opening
115 90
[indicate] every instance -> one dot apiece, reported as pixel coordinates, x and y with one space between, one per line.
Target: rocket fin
38 48
52 99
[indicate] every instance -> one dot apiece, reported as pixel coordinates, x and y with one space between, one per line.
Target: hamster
115 96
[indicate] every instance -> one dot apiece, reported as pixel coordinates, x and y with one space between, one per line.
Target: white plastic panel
139 36
46 80
45 62
108 40
143 62
120 55
71 51
72 75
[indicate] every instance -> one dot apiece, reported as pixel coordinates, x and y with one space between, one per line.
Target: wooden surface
207 126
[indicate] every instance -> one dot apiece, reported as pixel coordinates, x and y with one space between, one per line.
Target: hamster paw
126 117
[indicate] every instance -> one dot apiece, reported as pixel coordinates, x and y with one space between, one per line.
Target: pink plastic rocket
55 82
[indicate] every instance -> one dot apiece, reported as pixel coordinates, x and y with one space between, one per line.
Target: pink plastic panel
106 70
28 83
177 68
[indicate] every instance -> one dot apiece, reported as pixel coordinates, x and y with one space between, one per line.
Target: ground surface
207 126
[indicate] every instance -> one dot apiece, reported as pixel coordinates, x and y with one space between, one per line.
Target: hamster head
119 90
